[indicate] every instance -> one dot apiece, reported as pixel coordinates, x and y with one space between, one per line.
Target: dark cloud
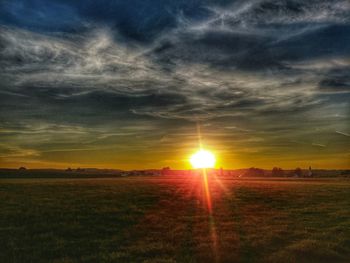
222 49
337 80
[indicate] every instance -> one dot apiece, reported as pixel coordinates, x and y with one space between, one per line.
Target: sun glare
203 159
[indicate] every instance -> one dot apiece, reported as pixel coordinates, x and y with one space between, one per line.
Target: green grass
166 219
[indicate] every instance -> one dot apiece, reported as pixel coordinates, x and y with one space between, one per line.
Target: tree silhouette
276 171
298 172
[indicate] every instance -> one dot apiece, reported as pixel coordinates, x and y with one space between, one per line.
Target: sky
128 84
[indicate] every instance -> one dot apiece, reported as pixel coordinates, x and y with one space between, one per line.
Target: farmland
174 219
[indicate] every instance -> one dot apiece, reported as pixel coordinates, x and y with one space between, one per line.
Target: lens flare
203 159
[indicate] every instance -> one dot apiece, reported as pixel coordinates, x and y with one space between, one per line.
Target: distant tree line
278 172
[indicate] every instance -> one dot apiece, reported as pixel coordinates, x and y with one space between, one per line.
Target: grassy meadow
174 219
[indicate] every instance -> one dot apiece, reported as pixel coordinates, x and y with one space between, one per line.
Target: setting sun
203 159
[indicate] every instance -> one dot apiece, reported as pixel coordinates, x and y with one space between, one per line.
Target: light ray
208 201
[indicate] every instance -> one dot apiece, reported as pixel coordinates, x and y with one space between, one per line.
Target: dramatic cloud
130 81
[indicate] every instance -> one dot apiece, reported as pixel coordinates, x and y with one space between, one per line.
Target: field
174 219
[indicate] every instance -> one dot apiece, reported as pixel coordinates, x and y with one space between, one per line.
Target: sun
203 159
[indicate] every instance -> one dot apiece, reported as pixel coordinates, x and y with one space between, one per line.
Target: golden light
203 159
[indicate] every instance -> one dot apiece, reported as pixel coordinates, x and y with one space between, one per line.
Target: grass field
174 219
